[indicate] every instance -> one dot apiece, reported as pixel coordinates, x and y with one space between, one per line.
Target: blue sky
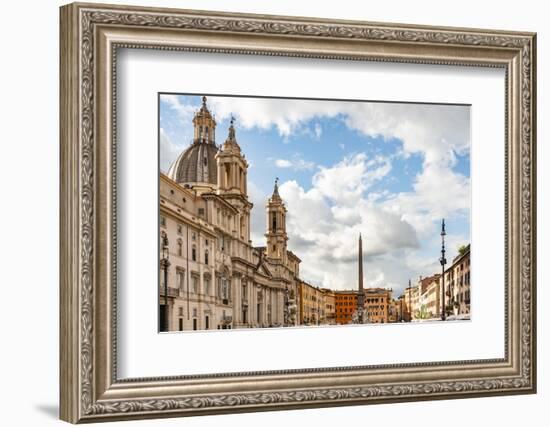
389 171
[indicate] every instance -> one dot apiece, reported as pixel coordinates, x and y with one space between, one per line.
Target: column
220 174
254 304
238 307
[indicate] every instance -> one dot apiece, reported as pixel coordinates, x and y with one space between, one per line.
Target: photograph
289 212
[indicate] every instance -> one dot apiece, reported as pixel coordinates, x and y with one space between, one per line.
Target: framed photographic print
267 212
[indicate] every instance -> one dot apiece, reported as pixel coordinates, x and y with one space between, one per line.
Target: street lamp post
165 263
410 302
443 261
286 319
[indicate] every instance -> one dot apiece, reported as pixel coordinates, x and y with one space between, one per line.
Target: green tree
462 249
423 313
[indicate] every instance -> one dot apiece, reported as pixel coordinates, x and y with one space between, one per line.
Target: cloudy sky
389 171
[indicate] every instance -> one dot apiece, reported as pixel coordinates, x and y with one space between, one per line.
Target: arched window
225 293
206 257
194 253
274 221
227 173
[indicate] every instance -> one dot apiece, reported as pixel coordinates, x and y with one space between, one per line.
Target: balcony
172 292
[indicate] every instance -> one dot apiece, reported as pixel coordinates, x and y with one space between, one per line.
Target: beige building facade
216 279
311 304
429 297
377 303
457 284
328 307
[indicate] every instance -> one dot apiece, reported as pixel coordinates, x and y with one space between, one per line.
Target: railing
172 292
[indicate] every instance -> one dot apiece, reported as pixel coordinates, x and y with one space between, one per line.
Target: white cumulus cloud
296 163
168 151
324 223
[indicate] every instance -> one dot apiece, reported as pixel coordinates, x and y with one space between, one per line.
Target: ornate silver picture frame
91 36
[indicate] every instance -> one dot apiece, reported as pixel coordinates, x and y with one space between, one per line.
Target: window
206 242
194 312
181 324
201 211
194 253
273 221
180 248
206 257
195 284
207 285
181 279
225 294
206 322
180 311
193 236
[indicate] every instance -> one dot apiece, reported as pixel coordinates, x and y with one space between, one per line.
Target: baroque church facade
210 275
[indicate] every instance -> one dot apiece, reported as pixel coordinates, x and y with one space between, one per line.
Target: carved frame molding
90 36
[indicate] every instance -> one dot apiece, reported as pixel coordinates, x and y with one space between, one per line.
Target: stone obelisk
361 294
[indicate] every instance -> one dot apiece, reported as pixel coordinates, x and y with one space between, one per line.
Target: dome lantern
204 125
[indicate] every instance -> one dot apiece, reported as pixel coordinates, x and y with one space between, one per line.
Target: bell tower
204 125
232 181
232 166
276 225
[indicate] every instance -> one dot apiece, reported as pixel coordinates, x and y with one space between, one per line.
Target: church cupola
197 164
276 225
204 125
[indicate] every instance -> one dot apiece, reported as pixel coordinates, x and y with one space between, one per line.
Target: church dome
196 164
